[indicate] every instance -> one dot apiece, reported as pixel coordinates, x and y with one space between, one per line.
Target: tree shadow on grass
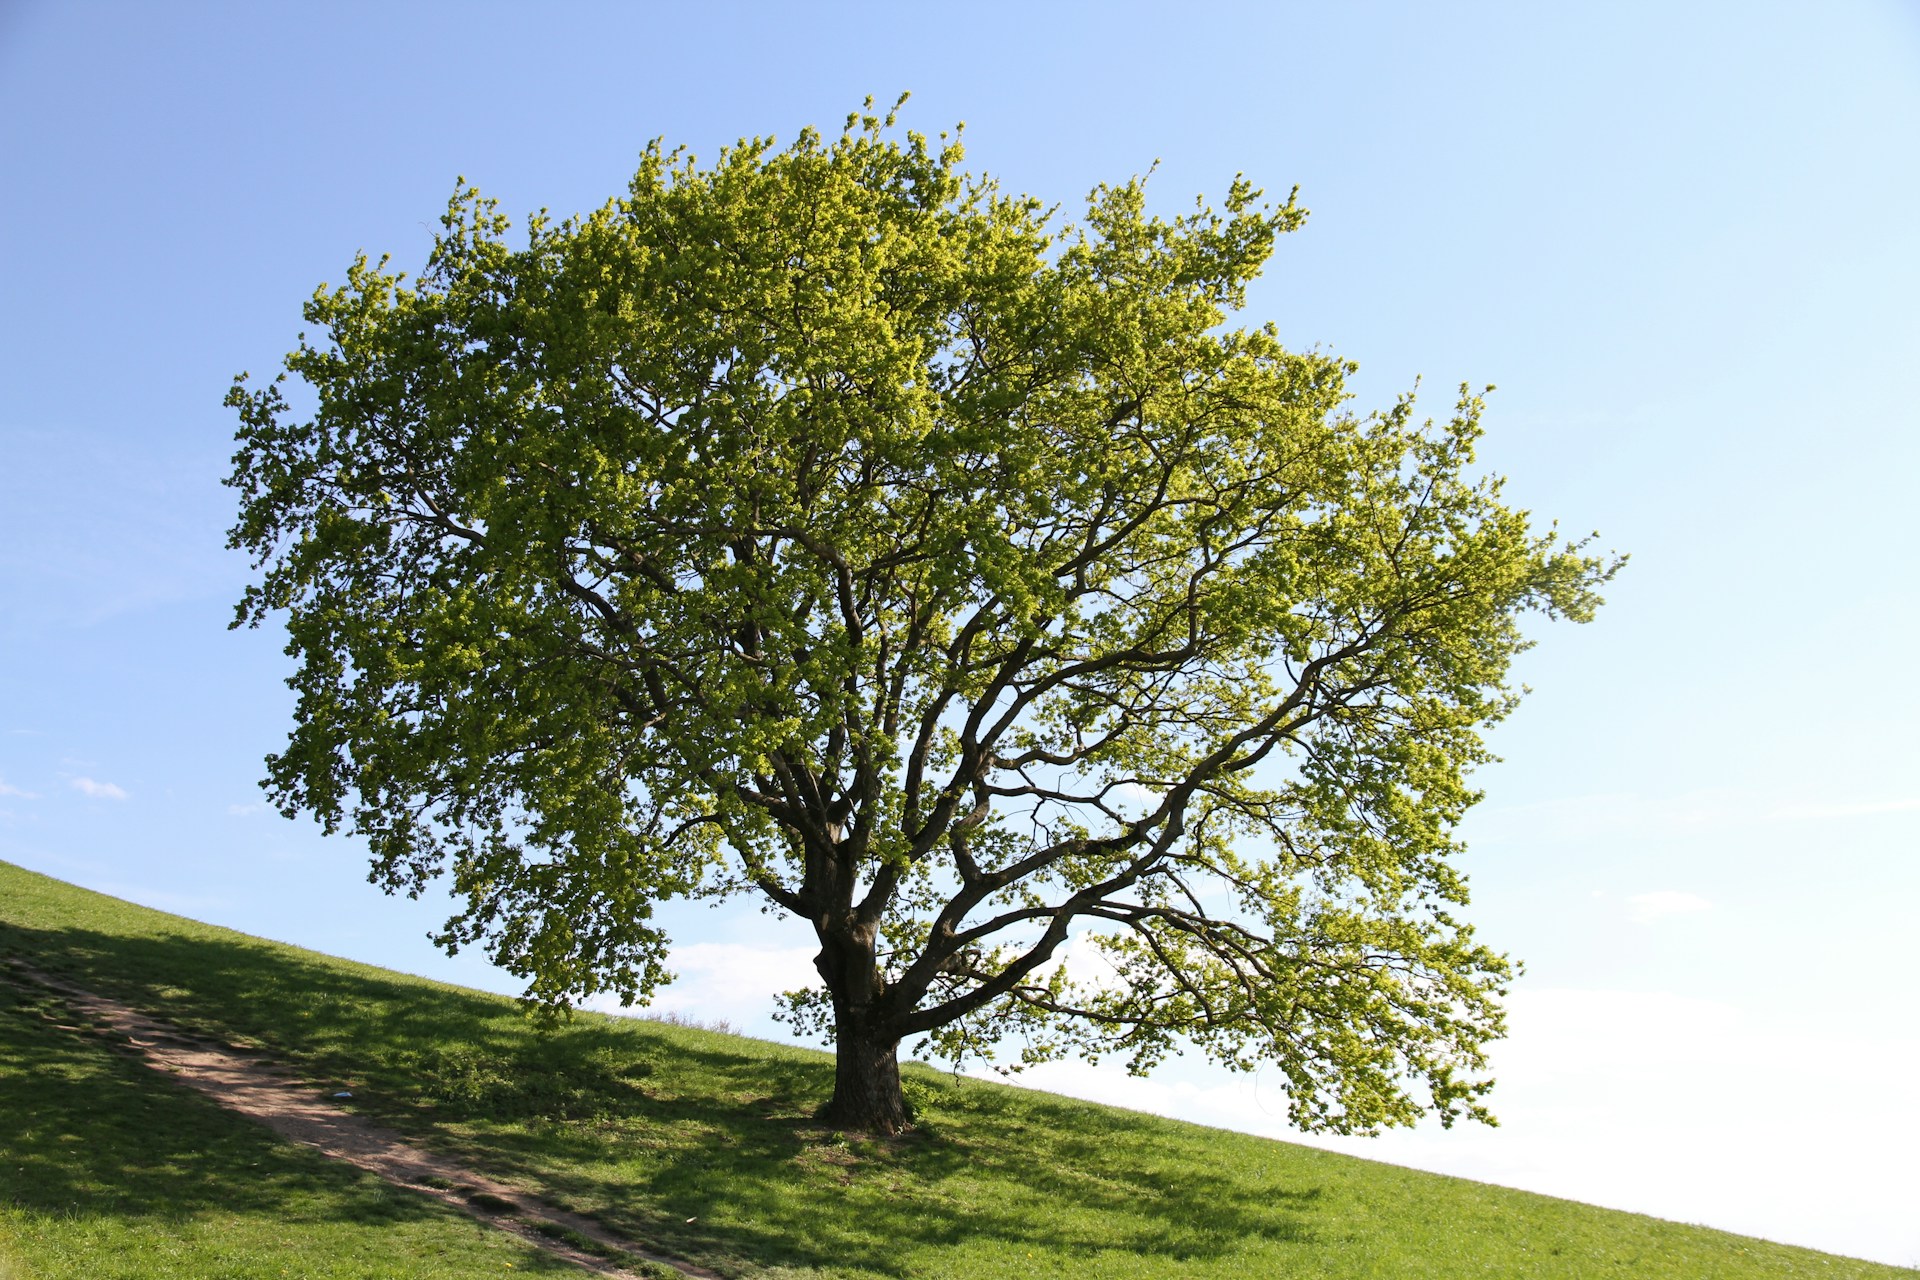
92 1130
642 1124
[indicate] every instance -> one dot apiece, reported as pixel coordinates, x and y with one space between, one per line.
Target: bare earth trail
265 1091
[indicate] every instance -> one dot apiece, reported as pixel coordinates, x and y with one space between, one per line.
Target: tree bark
866 1083
866 1067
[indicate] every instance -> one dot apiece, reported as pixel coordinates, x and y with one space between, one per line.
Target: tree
832 526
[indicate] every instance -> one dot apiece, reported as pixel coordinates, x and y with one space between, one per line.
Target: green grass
698 1141
109 1170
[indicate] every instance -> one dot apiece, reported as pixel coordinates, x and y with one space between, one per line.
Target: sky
1680 239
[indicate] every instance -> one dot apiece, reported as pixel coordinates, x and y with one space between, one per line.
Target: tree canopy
831 526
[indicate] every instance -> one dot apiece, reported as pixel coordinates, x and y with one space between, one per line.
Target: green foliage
110 1170
830 524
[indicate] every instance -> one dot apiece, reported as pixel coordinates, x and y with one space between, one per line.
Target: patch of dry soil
265 1091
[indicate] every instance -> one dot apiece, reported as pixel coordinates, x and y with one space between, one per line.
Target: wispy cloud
99 790
144 544
1665 902
1690 813
242 810
1860 810
6 790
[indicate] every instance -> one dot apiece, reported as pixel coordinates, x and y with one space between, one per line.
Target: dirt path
267 1092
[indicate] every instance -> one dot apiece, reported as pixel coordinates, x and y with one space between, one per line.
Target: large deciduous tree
832 526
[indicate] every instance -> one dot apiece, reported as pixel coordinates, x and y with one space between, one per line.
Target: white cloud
1610 816
242 810
727 982
1086 964
1860 810
1134 799
98 790
1665 902
6 790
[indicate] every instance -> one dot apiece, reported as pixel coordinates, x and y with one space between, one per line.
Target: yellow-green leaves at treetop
829 525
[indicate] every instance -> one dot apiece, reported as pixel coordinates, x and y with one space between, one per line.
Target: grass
108 1170
698 1141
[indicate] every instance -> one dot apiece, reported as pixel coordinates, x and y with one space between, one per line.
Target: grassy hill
699 1141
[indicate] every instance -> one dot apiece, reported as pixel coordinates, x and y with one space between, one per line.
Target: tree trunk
866 1066
866 1083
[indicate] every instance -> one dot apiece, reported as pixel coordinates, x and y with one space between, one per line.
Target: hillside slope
699 1141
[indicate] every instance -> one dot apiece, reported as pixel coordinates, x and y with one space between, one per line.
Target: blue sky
1682 240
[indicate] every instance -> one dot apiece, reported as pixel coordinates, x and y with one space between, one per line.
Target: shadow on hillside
89 1130
645 1125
